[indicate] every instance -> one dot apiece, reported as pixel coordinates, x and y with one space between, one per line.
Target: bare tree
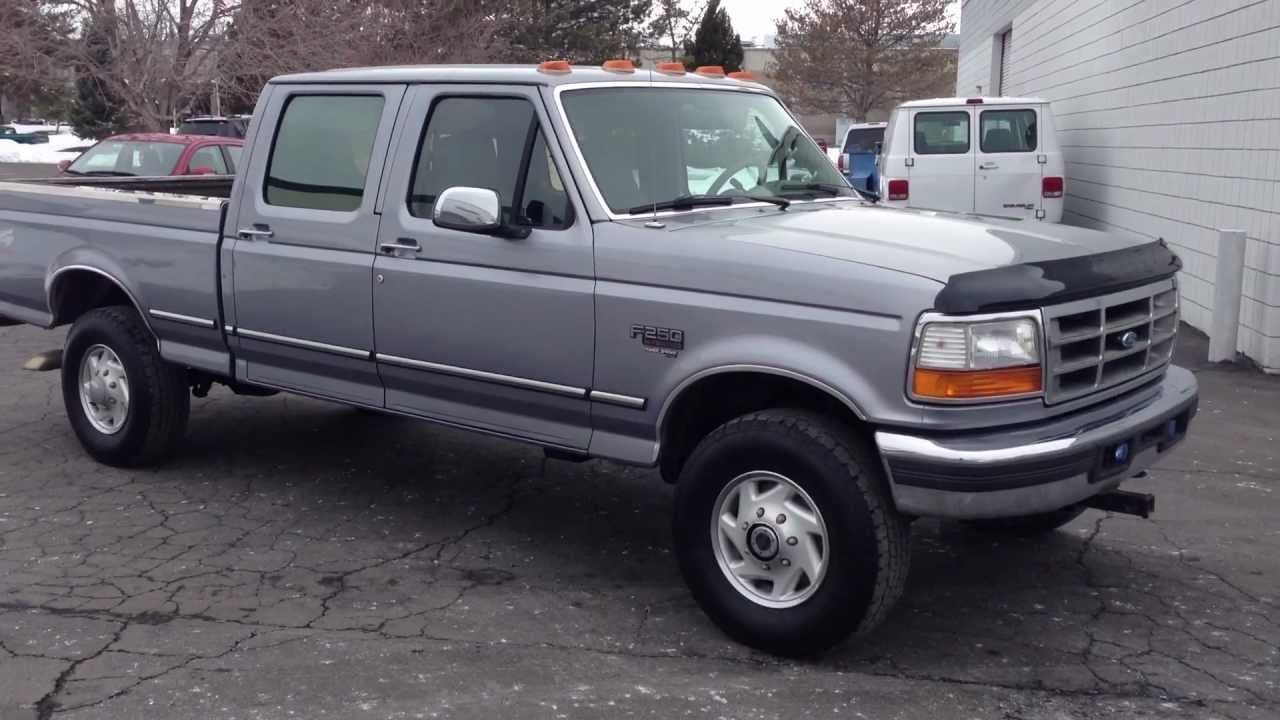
853 56
269 37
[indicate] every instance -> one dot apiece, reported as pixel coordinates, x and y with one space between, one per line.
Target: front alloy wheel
769 538
786 533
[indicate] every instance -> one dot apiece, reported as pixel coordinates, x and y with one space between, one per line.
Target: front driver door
478 330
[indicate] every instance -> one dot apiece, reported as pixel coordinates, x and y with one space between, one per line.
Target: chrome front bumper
1031 469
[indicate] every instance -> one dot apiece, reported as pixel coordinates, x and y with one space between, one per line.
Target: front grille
1090 346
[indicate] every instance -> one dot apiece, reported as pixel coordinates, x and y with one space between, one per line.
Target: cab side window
941 133
321 152
487 143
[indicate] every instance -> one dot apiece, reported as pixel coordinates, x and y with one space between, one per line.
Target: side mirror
476 210
200 170
63 165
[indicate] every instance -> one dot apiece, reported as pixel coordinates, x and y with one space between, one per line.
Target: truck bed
160 248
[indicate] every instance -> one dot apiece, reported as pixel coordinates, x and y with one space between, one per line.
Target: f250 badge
668 341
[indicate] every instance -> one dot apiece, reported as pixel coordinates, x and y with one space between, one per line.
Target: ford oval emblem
1129 339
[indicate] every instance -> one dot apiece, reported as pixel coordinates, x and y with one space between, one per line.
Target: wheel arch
707 399
74 289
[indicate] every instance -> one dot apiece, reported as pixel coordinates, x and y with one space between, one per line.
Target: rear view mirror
472 209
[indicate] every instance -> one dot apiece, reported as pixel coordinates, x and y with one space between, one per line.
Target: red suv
157 154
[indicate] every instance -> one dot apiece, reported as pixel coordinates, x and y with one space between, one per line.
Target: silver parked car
656 268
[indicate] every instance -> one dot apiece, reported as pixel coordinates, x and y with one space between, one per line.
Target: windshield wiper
69 171
687 202
818 187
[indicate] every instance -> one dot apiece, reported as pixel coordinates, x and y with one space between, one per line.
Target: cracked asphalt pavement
301 559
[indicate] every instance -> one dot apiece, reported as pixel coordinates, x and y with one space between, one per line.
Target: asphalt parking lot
301 559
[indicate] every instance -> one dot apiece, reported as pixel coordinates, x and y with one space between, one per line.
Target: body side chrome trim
416 416
526 383
307 344
628 401
187 319
229 329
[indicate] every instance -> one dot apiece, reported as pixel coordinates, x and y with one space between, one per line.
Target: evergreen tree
94 112
715 42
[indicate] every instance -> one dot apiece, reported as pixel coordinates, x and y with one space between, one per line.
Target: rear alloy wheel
786 533
126 405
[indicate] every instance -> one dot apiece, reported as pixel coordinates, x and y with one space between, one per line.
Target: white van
991 156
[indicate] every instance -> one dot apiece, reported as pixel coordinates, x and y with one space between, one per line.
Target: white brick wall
1169 118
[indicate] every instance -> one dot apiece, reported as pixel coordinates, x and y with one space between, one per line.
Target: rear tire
1028 525
864 554
110 362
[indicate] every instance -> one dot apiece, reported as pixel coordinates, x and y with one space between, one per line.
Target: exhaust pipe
1123 501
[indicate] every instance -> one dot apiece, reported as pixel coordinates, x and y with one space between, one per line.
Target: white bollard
1228 288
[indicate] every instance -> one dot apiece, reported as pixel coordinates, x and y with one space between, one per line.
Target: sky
753 19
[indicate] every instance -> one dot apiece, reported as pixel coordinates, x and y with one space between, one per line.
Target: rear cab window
863 140
941 133
1003 131
320 157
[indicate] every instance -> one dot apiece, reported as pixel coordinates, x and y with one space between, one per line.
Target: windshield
864 140
128 157
657 146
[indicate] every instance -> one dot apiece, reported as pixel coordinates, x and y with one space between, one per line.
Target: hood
924 243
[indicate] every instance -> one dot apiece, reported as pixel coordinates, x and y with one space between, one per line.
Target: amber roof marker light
743 75
670 68
619 66
555 67
710 71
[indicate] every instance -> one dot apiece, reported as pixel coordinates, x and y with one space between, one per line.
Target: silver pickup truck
648 266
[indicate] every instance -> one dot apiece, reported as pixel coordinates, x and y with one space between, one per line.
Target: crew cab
992 156
652 267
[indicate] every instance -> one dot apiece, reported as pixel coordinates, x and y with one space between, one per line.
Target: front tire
127 406
785 532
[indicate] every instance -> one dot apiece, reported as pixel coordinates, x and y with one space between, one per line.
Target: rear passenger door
1008 179
303 258
941 161
474 329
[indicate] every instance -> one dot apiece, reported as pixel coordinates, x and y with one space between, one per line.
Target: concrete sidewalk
304 560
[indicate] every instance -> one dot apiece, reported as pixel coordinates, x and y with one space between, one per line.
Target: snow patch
49 153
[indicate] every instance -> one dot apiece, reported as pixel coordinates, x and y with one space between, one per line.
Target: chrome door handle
988 166
392 248
250 233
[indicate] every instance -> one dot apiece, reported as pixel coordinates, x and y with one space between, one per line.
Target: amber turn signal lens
975 384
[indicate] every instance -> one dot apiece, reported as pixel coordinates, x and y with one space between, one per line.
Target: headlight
988 359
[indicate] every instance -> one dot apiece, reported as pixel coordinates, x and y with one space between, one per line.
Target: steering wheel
718 184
